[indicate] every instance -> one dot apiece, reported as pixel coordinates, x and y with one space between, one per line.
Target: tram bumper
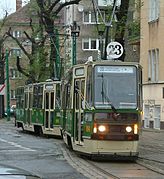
112 149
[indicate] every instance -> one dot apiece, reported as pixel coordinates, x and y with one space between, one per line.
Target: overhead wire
110 19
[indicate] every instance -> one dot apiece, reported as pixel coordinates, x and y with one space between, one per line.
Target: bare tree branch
19 44
66 4
21 70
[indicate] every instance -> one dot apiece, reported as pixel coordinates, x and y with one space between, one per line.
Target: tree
121 25
2 61
46 31
49 11
38 55
121 13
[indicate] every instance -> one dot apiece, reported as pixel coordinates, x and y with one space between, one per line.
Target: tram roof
106 62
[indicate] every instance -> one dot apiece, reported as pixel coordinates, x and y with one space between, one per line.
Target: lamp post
75 31
7 85
57 64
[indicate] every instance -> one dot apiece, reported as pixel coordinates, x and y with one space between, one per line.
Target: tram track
110 170
154 165
86 167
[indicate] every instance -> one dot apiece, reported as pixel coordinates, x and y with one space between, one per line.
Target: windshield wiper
104 96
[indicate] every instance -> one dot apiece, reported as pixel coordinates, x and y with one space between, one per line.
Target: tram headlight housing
128 129
101 128
95 129
135 129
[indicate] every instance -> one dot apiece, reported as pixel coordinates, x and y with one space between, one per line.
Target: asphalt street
151 148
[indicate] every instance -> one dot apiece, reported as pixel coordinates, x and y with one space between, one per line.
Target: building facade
18 23
92 17
151 58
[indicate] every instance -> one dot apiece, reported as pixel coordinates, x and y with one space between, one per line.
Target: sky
9 5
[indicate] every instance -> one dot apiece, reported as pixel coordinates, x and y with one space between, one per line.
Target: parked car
12 110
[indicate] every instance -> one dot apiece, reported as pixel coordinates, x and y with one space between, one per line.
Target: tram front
116 111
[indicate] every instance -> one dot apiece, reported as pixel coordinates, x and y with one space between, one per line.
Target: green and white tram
102 108
41 108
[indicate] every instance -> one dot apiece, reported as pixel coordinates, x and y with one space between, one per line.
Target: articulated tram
38 108
97 108
102 108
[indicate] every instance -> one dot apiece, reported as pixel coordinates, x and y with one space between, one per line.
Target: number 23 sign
114 50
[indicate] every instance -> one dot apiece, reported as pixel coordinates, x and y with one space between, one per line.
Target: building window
16 34
90 44
15 52
89 17
12 94
153 10
15 74
153 65
105 3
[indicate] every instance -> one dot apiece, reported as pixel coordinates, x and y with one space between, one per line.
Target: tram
102 109
38 108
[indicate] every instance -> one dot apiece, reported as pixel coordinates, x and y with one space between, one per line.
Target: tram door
49 96
30 105
79 106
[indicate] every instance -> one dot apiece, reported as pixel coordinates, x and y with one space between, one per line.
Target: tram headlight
128 129
102 128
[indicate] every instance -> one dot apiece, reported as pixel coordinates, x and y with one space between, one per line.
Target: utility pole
7 85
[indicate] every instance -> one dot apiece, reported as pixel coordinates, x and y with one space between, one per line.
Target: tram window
79 71
89 86
82 92
30 100
26 100
63 101
40 97
67 97
52 100
47 101
57 100
22 103
47 119
35 97
52 119
77 87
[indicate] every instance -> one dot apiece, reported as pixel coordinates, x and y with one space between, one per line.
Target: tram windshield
115 86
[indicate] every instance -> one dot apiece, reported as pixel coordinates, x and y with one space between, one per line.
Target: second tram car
38 108
102 108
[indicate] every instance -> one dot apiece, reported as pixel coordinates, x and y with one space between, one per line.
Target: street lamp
75 31
7 85
100 33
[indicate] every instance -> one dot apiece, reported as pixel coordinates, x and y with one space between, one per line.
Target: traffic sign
2 89
114 50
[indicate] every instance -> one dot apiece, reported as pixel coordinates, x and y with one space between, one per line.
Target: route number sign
114 50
